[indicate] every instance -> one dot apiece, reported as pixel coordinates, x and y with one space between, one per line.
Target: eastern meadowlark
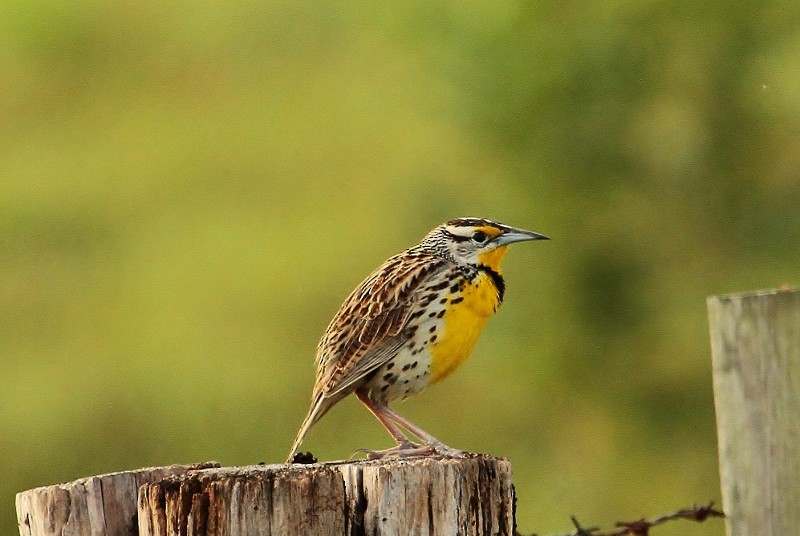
411 323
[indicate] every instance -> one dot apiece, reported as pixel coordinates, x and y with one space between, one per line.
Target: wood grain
755 342
93 506
418 496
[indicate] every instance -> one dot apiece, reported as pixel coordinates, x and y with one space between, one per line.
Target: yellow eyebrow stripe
489 231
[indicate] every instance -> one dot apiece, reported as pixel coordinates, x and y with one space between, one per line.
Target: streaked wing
368 329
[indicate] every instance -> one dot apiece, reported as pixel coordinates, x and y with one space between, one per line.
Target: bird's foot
443 450
403 449
406 449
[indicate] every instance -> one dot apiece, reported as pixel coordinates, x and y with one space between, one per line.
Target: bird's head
476 241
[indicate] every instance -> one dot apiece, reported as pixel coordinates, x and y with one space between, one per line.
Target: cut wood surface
755 342
420 496
97 505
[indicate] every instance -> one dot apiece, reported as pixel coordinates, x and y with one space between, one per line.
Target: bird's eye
479 237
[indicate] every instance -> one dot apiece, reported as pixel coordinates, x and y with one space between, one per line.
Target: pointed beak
512 234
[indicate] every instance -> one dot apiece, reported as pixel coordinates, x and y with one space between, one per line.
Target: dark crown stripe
471 222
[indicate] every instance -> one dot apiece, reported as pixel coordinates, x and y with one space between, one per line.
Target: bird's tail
319 406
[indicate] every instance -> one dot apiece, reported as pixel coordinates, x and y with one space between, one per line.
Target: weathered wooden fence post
96 505
471 496
755 342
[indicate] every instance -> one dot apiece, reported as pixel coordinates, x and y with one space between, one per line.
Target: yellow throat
465 320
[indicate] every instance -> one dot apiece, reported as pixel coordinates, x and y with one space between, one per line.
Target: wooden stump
755 342
256 500
471 496
97 505
419 496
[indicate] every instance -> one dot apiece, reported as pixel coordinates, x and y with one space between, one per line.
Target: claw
406 449
450 452
400 451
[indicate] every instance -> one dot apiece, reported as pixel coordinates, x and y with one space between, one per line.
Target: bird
410 324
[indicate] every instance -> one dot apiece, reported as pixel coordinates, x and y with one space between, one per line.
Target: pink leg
390 419
378 409
429 440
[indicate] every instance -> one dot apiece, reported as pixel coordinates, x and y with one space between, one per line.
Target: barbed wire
641 527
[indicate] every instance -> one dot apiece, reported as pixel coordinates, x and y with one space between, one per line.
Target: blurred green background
188 191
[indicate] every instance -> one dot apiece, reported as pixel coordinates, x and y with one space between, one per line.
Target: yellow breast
464 320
